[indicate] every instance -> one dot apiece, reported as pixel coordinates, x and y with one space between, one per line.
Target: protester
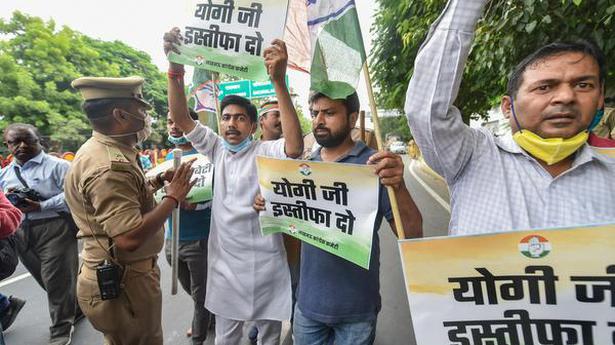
192 249
248 278
338 301
269 121
602 128
146 164
542 176
118 286
45 241
10 218
271 129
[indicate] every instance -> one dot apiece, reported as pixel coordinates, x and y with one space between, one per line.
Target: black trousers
192 275
48 249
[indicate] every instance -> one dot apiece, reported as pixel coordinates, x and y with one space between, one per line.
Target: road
394 322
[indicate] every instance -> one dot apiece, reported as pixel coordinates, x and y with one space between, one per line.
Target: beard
331 139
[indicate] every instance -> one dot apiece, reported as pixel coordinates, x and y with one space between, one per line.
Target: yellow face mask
552 150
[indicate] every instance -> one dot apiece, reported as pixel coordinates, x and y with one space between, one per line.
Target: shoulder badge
117 159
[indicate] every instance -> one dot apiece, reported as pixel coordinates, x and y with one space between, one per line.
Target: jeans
311 332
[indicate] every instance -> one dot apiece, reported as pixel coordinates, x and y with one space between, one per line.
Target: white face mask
141 134
146 131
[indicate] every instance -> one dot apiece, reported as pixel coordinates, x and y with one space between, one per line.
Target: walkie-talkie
109 280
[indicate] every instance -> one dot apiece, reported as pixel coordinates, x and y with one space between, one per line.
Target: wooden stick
362 125
372 102
215 76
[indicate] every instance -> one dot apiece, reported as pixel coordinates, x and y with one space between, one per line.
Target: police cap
96 88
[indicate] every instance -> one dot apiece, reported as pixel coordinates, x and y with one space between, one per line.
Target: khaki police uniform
108 195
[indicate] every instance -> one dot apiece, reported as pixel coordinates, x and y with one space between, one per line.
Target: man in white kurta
248 277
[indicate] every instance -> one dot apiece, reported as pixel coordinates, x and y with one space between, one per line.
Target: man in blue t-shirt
192 249
338 301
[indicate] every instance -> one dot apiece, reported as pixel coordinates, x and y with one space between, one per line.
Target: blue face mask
239 147
177 140
596 121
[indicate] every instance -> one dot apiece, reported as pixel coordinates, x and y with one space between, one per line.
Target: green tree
38 63
509 31
395 125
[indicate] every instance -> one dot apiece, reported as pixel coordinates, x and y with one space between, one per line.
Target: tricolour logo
292 228
534 246
305 169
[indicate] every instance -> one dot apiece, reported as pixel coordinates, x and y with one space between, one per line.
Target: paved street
394 323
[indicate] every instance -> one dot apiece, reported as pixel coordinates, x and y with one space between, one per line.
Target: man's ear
506 106
118 114
254 126
353 119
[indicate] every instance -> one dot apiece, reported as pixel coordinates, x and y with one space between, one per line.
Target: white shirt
248 276
495 185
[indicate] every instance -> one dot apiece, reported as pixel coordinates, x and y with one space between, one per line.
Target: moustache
563 111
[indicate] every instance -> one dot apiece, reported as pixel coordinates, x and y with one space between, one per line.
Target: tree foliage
38 63
397 125
509 31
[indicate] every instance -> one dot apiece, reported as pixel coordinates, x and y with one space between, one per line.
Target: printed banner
331 206
203 173
230 36
517 288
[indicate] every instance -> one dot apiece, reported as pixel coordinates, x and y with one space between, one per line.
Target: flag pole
362 125
215 76
372 102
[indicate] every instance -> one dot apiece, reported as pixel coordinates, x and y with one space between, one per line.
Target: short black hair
98 108
242 102
193 114
582 46
352 103
22 126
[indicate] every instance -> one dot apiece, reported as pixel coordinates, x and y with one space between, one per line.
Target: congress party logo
292 229
535 246
305 170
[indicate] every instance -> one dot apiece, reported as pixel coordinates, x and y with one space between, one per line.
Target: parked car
398 147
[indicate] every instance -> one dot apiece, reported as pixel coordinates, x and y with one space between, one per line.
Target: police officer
118 287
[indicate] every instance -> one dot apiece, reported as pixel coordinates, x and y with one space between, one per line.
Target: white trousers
230 332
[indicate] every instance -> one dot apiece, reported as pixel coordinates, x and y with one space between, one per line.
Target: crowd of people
529 179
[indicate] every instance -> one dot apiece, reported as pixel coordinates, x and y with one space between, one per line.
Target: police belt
144 265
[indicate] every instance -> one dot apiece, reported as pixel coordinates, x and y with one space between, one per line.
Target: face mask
177 140
141 134
146 131
239 147
551 150
596 120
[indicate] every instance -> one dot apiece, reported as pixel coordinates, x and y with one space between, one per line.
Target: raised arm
178 107
276 59
445 141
